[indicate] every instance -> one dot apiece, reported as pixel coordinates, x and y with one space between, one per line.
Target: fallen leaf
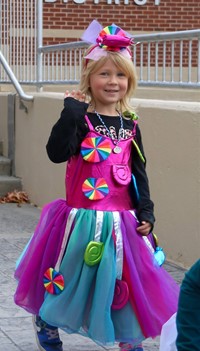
20 197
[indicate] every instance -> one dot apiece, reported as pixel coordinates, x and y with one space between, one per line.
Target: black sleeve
68 132
144 207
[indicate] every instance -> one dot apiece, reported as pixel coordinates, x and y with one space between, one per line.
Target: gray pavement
16 332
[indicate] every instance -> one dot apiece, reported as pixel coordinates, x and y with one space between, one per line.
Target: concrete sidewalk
16 332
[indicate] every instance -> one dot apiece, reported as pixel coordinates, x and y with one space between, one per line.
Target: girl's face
108 85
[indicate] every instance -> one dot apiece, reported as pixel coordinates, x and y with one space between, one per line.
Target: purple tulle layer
153 293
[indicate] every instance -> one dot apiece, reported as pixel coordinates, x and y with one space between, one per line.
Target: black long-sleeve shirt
71 128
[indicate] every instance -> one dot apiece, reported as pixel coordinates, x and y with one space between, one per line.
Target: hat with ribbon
111 38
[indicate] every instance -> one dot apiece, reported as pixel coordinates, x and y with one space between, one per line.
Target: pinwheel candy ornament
95 188
53 281
95 149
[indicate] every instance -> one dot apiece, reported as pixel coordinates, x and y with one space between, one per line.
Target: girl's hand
144 228
76 94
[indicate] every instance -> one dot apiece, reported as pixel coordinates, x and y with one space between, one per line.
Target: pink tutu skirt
114 289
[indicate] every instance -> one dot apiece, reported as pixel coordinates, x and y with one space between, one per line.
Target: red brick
169 15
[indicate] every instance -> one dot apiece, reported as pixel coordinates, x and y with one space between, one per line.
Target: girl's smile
108 86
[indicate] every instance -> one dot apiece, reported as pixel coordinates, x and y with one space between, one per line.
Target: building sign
110 2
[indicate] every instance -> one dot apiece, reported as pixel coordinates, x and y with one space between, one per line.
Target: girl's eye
121 74
103 73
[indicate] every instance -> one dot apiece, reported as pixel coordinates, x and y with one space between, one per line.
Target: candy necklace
117 149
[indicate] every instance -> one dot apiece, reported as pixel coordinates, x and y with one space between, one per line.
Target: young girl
93 253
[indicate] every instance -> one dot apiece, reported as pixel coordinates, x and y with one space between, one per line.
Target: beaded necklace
117 149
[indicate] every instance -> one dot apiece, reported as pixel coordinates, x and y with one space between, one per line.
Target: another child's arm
188 314
70 129
145 207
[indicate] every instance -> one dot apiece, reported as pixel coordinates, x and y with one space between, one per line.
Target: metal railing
175 57
14 80
19 38
164 59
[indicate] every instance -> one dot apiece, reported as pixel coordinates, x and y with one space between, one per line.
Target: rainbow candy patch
95 188
53 281
95 149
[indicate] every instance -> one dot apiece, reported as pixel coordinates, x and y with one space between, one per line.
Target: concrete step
8 184
1 147
5 166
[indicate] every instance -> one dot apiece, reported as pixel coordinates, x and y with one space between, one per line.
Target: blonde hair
124 64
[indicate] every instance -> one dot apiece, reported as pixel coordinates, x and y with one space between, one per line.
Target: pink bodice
102 185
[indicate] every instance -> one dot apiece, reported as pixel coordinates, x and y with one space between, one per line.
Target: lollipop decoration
53 281
121 295
95 188
95 149
110 38
114 38
93 253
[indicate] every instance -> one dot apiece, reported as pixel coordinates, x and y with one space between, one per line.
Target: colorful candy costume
101 275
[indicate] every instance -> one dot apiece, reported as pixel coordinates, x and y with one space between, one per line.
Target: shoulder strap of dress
89 123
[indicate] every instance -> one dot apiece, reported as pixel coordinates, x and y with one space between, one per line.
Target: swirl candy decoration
95 149
93 253
95 188
53 281
121 295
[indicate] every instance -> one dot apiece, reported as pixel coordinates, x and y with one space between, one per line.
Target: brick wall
169 15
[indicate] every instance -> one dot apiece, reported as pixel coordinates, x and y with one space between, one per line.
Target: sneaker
128 347
47 336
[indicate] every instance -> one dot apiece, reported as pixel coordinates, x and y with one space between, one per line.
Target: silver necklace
117 149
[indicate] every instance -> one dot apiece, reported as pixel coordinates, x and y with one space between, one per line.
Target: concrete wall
171 137
43 180
4 121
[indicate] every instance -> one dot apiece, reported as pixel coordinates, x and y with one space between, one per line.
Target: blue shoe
47 337
138 348
128 347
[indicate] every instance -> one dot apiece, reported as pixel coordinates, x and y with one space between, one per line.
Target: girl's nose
113 79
